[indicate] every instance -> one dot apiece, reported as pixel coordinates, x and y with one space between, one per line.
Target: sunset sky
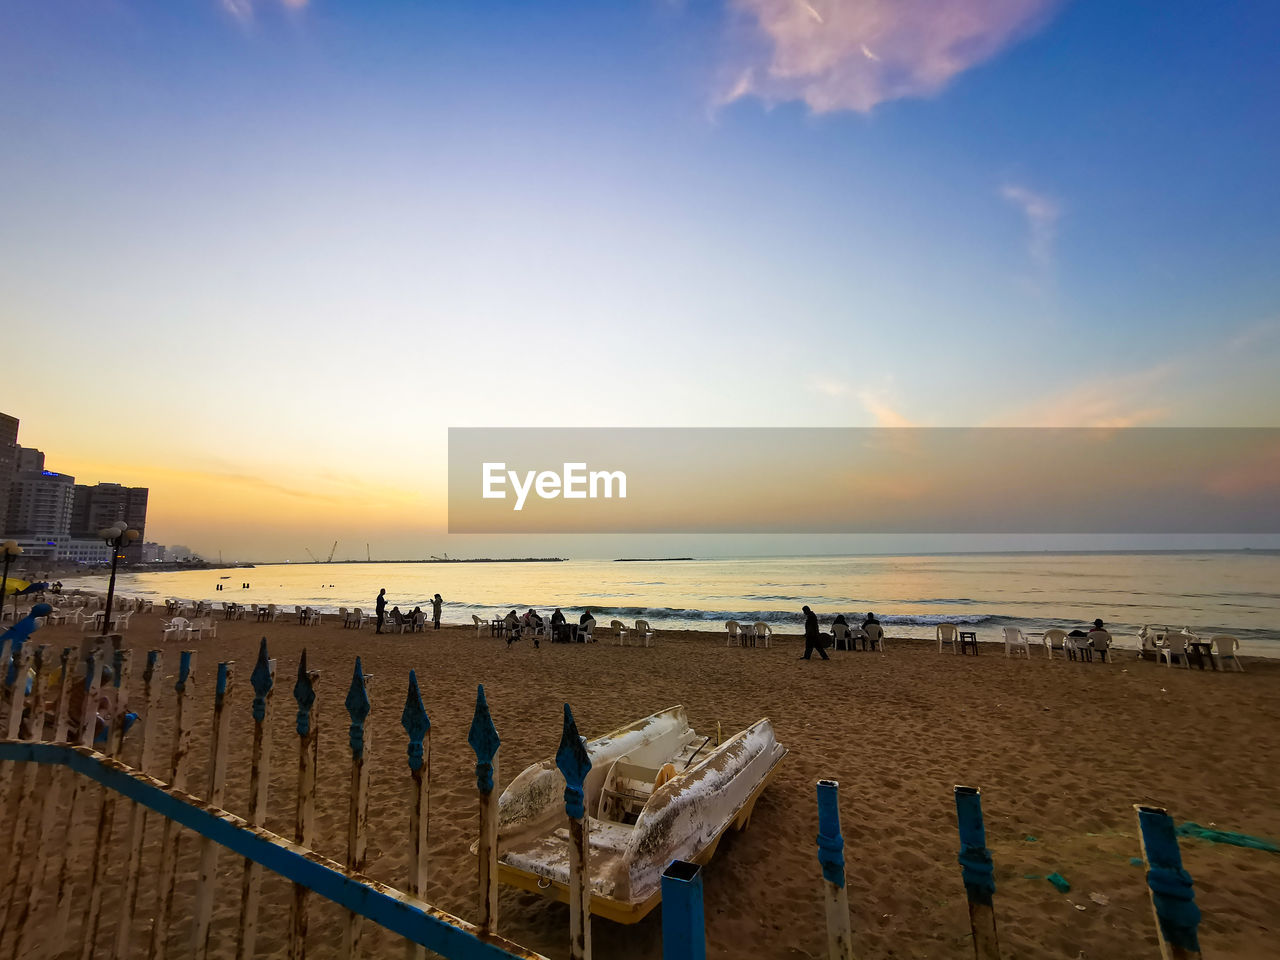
260 255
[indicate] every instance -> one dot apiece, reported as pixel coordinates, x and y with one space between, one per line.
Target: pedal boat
657 791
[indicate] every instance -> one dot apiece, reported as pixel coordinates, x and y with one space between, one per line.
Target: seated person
558 633
1097 625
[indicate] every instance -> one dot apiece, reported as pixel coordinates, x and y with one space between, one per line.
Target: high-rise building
102 504
8 460
28 460
40 504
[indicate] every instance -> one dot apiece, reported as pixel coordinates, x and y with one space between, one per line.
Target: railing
53 898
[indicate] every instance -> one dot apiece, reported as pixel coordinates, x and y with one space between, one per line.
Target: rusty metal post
358 706
1173 898
417 725
304 692
831 857
263 680
49 827
138 814
115 730
179 768
79 797
24 810
483 738
978 872
574 764
207 878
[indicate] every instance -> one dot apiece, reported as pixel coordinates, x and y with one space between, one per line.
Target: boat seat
628 787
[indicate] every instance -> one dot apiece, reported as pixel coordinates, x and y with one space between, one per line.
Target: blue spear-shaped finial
304 692
358 705
483 738
415 722
261 681
574 763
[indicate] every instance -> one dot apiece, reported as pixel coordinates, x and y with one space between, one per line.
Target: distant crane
312 555
332 552
368 558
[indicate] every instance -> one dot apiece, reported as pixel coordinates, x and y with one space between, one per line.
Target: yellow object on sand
13 586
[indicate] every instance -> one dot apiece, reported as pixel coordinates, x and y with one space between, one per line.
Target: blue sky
308 231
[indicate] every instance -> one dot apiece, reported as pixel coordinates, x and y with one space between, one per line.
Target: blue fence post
572 761
307 724
1172 896
831 856
358 707
684 931
483 738
978 872
418 726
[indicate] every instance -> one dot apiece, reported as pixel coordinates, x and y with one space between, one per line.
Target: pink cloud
855 54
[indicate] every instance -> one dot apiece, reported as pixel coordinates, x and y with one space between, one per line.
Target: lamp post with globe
10 549
118 536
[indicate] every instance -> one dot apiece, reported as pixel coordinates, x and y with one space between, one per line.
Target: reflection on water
1210 592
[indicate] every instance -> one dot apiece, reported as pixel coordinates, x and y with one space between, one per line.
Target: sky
259 255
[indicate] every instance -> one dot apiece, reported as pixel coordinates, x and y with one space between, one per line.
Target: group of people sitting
532 624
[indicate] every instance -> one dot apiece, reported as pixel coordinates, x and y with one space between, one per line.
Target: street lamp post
118 536
11 550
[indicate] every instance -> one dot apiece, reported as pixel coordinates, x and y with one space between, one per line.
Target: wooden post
263 680
207 879
573 762
483 738
52 835
304 693
1173 898
138 814
684 930
24 809
978 872
115 729
831 857
417 725
79 797
171 838
358 706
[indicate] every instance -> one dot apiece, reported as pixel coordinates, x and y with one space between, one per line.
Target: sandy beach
1060 750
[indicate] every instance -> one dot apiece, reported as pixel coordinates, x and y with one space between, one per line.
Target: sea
1234 592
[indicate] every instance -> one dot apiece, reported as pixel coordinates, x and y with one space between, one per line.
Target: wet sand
1060 750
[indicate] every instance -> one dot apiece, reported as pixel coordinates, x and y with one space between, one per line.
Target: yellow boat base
625 911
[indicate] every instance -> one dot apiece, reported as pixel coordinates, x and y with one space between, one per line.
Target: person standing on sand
381 606
435 611
812 638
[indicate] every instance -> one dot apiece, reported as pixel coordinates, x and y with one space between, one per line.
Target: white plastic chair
645 632
176 628
764 633
620 632
358 618
875 636
480 624
1227 647
273 612
586 631
1055 639
1175 645
733 630
1100 641
840 636
1014 638
948 633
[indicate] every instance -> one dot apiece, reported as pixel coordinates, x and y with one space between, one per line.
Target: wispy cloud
877 403
847 55
1139 398
1042 213
243 10
828 387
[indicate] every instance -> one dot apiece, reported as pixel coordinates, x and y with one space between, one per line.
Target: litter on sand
1226 836
1059 882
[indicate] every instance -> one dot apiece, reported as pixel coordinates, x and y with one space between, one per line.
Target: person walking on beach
435 611
812 638
381 606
